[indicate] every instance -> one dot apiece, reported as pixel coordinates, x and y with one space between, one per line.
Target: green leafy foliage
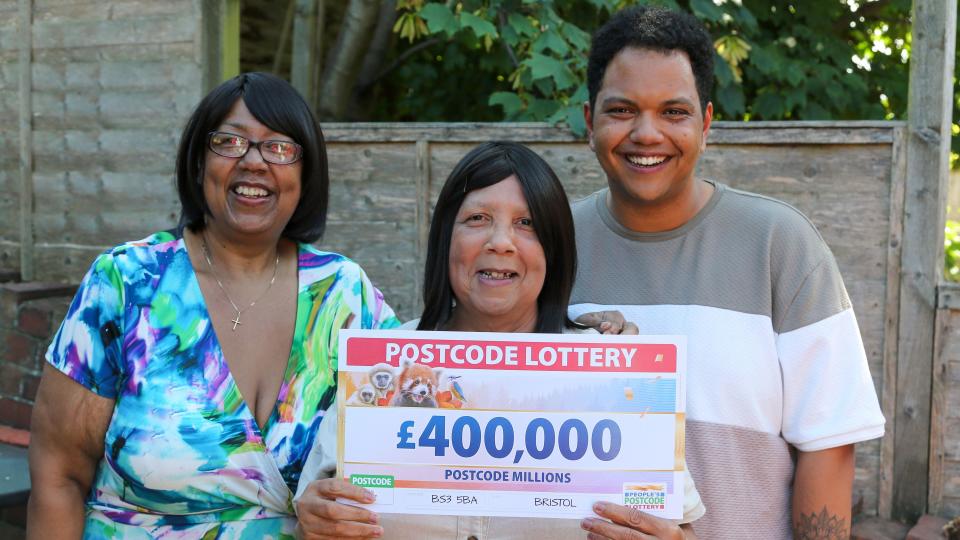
776 59
951 250
955 140
439 19
525 60
480 26
535 51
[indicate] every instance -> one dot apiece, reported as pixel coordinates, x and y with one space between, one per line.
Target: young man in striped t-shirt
778 383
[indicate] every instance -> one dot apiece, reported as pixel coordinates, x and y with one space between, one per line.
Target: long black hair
277 105
486 165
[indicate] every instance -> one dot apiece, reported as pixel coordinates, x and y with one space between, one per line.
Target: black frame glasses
243 145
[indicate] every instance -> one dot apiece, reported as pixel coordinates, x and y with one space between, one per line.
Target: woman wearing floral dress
185 387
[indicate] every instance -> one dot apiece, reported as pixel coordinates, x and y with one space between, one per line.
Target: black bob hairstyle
277 105
486 165
656 29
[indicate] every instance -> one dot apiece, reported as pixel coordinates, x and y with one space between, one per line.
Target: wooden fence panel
385 177
944 495
9 135
372 216
107 109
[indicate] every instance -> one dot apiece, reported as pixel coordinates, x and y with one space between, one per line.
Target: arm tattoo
822 526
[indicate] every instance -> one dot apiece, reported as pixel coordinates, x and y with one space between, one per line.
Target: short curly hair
656 29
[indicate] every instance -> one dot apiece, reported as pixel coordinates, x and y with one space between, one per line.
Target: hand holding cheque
531 425
500 424
506 445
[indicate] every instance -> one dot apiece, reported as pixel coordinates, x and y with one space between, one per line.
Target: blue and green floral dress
183 455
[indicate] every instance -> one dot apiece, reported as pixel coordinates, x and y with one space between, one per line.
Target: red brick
28 387
15 437
15 413
875 528
20 350
928 528
34 321
10 377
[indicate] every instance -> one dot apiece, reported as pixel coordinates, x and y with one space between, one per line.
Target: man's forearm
822 490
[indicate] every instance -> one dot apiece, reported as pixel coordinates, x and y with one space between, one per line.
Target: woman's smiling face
497 265
247 195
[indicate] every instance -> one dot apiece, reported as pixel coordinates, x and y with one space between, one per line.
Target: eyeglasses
235 146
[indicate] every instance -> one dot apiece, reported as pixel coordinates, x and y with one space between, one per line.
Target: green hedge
951 250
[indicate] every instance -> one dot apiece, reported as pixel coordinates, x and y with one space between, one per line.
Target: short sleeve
88 346
829 398
375 313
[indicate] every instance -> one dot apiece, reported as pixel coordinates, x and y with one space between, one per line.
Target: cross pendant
236 321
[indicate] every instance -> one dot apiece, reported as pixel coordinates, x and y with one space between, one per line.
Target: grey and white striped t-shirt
775 358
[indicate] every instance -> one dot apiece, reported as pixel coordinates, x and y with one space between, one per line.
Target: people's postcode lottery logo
645 496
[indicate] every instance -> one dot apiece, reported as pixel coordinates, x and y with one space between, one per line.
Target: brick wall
29 315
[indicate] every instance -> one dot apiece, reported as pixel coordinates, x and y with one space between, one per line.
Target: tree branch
284 36
502 17
375 55
398 61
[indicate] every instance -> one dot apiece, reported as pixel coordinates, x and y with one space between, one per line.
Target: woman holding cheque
501 258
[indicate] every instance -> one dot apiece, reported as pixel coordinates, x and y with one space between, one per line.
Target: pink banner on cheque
514 355
525 425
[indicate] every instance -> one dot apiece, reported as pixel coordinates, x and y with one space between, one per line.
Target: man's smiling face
648 130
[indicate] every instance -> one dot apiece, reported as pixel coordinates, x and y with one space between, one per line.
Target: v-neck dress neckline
289 366
183 455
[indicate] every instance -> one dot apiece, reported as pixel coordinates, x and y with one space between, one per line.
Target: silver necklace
236 320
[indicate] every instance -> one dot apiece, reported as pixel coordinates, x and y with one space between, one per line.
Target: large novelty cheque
523 425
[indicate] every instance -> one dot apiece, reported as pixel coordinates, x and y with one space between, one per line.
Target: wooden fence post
928 147
26 140
891 323
424 182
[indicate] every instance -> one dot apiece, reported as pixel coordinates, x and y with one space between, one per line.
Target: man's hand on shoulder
608 322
